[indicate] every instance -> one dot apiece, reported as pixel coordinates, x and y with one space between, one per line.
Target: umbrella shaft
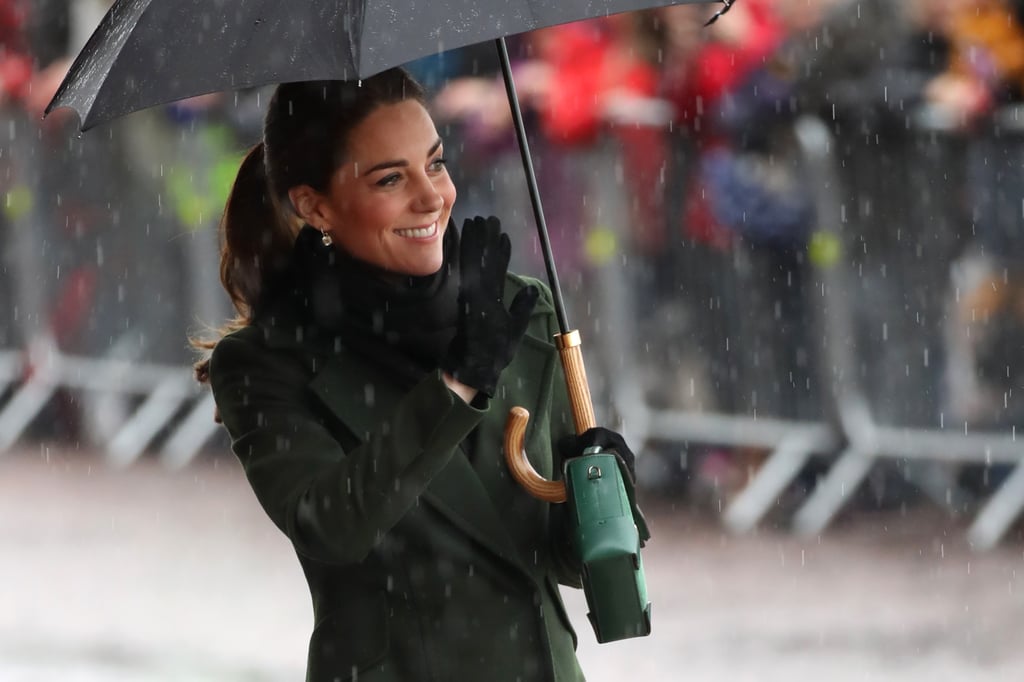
531 185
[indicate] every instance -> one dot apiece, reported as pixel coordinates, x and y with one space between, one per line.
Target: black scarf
404 323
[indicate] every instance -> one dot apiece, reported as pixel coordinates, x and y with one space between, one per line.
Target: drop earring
326 238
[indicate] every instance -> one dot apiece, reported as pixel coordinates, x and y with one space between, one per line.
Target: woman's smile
419 233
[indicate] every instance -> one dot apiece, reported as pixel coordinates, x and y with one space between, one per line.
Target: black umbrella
149 52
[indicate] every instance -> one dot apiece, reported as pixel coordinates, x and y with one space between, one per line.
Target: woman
365 387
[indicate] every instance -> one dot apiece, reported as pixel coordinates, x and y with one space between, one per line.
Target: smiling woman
365 383
394 213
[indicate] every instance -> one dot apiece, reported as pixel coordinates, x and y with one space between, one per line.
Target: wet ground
147 575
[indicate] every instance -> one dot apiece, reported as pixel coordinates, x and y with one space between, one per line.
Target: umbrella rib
132 14
355 34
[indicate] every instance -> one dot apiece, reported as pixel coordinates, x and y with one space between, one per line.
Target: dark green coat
422 565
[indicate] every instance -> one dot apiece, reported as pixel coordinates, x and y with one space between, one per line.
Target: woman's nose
429 199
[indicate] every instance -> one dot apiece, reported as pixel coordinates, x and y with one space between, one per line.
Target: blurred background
793 242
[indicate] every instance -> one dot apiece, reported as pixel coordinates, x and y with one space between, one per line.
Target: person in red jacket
16 63
731 49
702 68
581 82
604 81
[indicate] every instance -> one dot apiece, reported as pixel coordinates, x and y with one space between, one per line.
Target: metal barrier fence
880 327
884 307
104 271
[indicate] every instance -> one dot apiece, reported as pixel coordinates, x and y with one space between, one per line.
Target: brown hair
305 135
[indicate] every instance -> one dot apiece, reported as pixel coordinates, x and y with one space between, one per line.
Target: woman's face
389 202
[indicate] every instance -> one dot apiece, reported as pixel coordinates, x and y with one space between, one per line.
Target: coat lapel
457 491
526 383
470 497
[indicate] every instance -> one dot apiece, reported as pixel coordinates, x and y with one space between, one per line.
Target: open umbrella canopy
149 52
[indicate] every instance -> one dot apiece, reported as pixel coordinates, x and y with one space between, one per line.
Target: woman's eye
389 180
438 164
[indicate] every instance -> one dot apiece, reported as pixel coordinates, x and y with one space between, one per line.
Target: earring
326 239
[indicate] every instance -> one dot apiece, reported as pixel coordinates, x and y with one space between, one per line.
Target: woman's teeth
418 232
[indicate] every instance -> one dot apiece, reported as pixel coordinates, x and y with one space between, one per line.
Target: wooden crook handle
519 465
571 353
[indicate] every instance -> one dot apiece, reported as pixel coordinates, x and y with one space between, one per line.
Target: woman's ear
308 205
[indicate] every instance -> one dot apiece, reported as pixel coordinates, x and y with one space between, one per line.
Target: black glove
573 446
488 335
609 441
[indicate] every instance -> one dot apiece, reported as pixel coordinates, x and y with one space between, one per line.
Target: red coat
718 67
696 89
587 62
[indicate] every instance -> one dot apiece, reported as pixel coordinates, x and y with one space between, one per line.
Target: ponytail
256 238
255 243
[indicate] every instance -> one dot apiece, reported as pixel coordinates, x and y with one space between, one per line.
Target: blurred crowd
675 188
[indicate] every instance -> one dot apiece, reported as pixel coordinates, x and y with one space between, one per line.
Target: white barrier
35 376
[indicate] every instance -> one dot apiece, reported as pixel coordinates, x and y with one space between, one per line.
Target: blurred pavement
154 576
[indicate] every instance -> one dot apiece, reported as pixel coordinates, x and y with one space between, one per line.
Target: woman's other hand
573 445
488 334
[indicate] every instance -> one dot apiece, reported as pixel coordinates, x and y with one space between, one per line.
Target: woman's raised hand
488 334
